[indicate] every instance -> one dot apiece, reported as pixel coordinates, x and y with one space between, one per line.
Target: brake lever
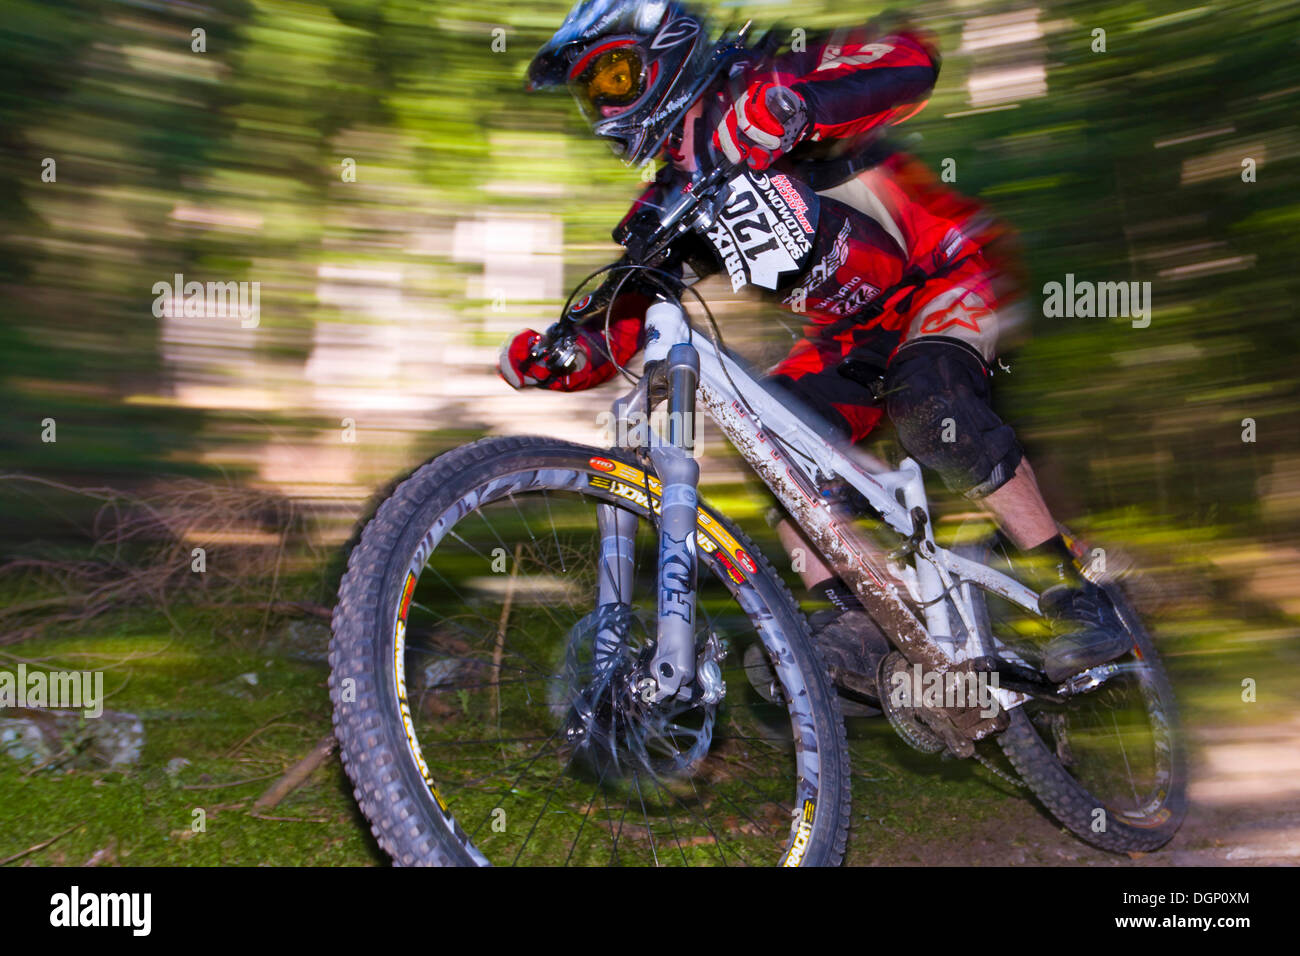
557 348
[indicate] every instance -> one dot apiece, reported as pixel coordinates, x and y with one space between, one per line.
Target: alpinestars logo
834 56
960 315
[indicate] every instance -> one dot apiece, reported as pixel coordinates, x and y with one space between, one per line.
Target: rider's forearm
858 86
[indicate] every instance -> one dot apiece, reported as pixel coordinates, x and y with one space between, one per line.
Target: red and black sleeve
854 82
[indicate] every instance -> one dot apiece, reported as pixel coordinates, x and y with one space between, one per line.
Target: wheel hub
606 700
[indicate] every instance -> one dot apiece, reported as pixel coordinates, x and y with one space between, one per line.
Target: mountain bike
546 653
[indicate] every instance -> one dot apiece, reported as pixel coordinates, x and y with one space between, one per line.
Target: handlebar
556 348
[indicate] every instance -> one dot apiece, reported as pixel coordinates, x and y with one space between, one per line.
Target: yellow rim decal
802 834
399 679
632 484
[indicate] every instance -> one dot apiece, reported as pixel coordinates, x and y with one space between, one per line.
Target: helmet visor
610 82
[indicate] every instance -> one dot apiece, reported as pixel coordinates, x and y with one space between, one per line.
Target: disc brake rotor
609 718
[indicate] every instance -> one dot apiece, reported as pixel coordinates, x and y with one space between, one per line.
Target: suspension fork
672 371
614 569
673 665
675 377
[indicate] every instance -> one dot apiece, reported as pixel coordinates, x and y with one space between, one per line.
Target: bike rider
902 283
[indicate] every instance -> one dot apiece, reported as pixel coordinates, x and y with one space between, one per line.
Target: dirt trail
1245 796
1245 811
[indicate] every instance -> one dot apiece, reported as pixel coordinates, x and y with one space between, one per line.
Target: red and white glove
581 358
520 367
515 361
766 122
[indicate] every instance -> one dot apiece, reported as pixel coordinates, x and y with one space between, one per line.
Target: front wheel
482 720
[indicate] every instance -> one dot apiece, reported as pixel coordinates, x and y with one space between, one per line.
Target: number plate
764 234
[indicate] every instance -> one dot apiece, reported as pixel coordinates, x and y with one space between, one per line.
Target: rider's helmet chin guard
634 66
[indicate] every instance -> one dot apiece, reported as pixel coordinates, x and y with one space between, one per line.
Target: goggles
613 79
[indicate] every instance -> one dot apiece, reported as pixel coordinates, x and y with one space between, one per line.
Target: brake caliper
708 672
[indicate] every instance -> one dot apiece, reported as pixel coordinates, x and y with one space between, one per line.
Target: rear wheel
482 722
1108 762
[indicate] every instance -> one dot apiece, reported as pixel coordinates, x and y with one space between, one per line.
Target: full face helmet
634 66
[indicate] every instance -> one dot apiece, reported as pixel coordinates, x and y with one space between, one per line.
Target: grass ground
227 709
196 697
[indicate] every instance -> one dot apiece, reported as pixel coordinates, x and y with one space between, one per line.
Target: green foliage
226 163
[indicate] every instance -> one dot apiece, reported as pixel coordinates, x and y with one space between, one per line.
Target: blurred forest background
376 166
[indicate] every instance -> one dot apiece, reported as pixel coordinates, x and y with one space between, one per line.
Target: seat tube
937 620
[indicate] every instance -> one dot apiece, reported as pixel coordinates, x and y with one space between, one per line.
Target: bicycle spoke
522 718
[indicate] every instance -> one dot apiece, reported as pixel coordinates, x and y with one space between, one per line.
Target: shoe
1088 630
852 646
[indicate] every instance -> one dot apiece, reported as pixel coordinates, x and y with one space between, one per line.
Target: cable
716 337
717 344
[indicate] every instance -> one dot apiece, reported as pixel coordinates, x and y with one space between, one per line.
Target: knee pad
937 396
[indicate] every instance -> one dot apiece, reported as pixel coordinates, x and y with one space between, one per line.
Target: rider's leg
842 409
938 399
808 564
850 641
1020 509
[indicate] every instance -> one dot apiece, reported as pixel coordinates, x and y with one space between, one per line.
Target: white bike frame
793 460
